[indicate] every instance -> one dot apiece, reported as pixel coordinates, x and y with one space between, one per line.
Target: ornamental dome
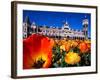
66 26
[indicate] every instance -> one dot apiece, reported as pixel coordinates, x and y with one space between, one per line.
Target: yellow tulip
72 58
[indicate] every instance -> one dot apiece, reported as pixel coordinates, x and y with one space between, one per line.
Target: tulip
37 51
84 47
72 58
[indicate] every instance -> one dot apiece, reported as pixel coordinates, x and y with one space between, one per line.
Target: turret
85 28
26 26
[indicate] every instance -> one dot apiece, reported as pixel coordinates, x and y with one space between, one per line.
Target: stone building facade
64 32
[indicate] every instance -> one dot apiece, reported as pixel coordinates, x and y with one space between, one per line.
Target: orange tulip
62 42
37 52
83 47
67 46
74 44
88 42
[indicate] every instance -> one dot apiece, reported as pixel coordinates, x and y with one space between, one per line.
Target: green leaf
78 64
55 65
63 53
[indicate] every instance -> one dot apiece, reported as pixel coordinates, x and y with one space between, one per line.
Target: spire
66 23
27 20
66 26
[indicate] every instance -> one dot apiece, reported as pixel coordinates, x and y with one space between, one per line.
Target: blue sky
56 19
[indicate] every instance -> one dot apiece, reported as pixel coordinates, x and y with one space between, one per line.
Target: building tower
65 29
26 27
85 28
66 26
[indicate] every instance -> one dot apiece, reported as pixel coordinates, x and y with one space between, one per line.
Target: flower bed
43 52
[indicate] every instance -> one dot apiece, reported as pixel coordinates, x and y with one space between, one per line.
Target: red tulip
37 52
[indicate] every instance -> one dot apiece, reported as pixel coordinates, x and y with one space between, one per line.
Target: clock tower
85 28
